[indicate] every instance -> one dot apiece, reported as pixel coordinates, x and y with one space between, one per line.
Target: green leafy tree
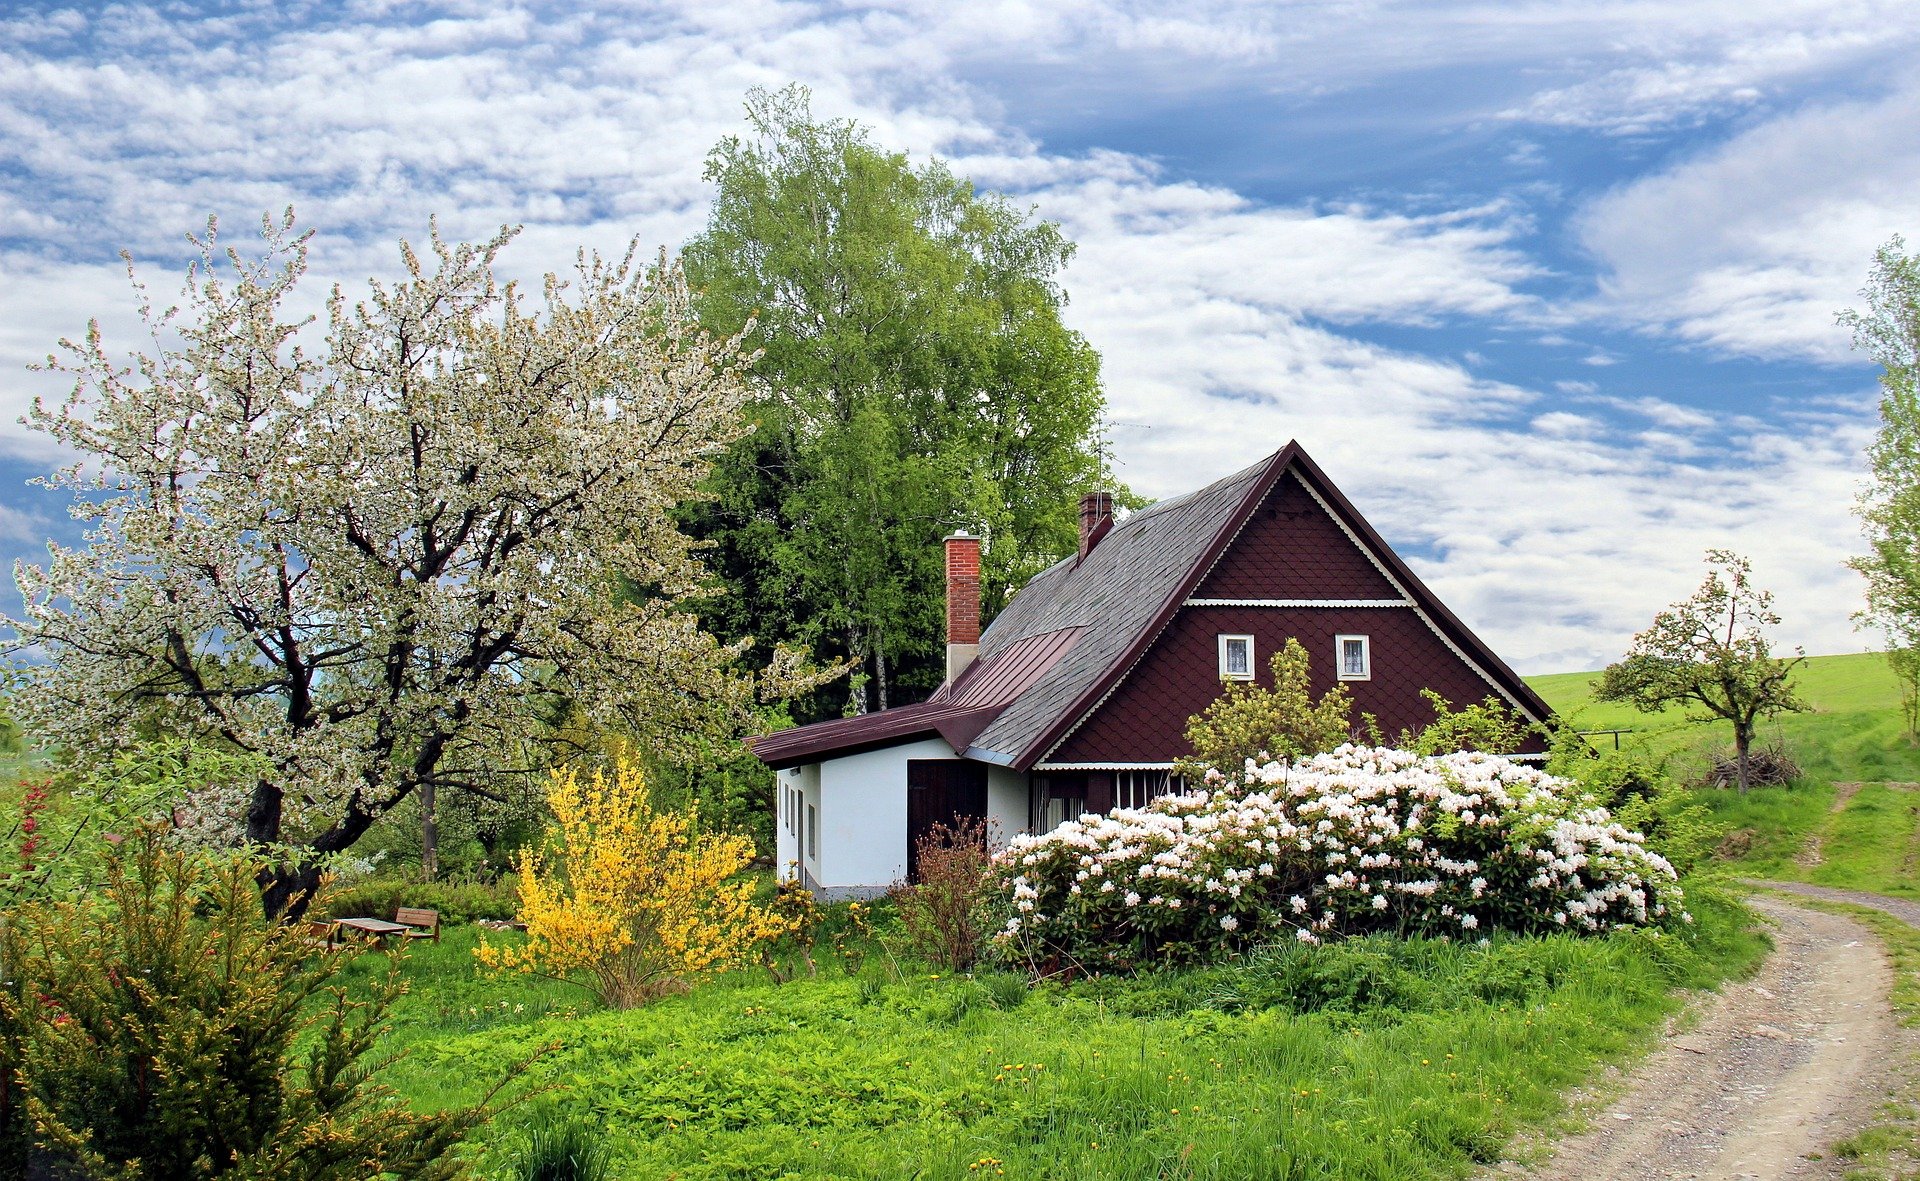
915 378
165 1029
1889 507
1285 722
1710 652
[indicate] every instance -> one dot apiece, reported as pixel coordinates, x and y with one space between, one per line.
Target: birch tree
1888 330
385 561
917 378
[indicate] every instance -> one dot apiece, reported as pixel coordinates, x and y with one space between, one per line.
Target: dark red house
1077 698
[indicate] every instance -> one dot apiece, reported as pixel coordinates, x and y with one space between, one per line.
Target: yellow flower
637 898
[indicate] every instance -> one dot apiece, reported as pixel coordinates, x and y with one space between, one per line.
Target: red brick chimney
1096 517
963 602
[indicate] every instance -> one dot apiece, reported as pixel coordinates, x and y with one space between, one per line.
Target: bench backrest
415 917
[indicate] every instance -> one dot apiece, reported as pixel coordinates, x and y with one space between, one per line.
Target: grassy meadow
1852 736
1371 1059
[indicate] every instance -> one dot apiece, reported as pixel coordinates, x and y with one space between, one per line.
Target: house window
1352 658
1136 789
1236 658
813 832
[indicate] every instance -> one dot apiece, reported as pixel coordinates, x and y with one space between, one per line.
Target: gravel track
1766 1074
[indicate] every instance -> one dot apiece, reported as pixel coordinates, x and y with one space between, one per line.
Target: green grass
1854 731
1371 1059
1853 734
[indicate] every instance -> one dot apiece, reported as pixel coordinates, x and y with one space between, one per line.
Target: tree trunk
880 671
429 834
1742 744
285 891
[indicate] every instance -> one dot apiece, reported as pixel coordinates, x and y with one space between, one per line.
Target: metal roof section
958 712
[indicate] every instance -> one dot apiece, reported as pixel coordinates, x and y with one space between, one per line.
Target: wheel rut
1763 1077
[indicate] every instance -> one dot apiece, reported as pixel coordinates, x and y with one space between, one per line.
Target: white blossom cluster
1359 839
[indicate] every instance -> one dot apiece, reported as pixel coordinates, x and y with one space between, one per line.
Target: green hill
1853 737
1854 731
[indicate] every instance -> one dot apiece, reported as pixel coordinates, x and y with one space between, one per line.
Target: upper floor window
1353 658
1236 658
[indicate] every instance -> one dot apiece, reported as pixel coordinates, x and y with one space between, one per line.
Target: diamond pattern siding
1146 717
1291 549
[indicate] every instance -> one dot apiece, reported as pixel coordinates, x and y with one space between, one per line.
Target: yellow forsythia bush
634 896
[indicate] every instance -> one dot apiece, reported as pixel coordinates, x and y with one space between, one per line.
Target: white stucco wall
1008 811
863 815
789 812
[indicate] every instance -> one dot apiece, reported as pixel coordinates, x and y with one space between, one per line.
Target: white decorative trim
1298 603
1103 766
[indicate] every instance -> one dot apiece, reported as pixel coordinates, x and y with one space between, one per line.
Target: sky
1549 289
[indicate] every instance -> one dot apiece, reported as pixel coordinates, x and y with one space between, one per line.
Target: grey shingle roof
1115 594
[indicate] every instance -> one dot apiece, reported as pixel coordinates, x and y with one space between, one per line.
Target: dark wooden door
941 791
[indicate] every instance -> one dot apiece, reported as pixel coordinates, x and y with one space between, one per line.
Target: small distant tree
634 896
164 1029
1889 507
1710 651
1905 662
1249 722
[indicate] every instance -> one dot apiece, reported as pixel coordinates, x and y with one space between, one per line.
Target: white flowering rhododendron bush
1358 840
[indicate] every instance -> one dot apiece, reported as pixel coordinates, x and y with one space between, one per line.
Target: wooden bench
420 924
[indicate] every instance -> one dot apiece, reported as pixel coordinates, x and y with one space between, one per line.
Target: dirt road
1766 1075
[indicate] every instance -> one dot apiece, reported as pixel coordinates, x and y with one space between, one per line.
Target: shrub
1249 723
1489 726
457 902
166 1030
1361 839
636 898
1642 796
940 913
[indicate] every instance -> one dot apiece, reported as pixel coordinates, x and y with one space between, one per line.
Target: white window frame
813 832
1340 658
1223 641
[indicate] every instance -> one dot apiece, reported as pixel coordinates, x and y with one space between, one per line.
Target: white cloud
1227 325
1753 246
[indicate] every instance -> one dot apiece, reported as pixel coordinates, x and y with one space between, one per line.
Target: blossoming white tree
386 565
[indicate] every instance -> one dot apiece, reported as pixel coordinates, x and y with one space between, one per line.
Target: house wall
1145 719
1009 807
863 818
1289 549
788 815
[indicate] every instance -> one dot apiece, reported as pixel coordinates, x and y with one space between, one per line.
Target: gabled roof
1094 617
